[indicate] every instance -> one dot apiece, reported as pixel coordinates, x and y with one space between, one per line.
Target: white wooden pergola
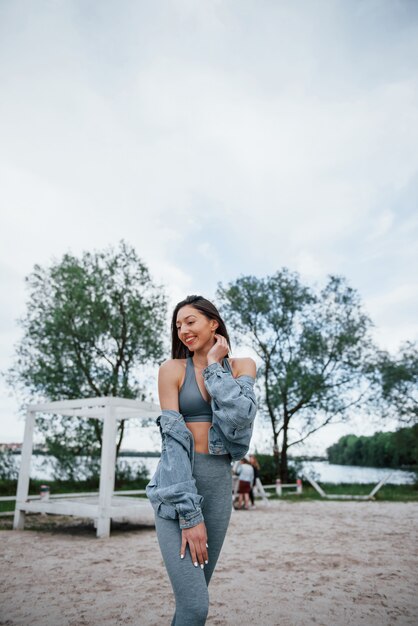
106 505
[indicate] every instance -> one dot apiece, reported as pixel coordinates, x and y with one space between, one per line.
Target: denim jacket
172 490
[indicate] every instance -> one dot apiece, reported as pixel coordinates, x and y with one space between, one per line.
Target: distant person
256 467
245 472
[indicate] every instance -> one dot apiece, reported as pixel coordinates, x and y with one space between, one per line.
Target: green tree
8 468
383 449
313 345
396 384
90 324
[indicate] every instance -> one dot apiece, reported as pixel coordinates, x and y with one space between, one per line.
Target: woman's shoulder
173 362
243 366
172 367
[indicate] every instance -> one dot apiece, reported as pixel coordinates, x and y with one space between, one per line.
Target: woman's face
194 329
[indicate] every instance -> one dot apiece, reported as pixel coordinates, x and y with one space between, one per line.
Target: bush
268 473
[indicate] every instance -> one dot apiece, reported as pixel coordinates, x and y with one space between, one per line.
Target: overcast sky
218 138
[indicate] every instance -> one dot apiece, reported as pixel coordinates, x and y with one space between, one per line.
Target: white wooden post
24 471
260 489
278 487
299 486
316 486
107 472
379 485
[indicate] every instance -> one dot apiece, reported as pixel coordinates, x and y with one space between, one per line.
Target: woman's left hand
197 538
218 351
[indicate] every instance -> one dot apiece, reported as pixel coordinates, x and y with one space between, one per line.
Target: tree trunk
283 457
276 454
120 438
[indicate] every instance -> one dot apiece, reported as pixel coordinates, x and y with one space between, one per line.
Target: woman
256 467
245 472
208 408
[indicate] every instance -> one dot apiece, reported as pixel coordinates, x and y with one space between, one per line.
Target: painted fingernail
207 546
201 566
182 556
206 562
195 564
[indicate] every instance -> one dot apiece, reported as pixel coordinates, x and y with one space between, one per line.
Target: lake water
321 471
329 473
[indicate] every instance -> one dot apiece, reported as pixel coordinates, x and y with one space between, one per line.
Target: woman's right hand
197 538
218 351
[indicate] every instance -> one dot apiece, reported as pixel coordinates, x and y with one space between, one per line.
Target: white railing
279 486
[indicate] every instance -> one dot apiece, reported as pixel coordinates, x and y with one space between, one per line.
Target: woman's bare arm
243 367
169 377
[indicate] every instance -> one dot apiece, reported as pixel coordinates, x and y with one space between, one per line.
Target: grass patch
387 493
9 487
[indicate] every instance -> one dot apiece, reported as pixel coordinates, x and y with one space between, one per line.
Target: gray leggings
190 584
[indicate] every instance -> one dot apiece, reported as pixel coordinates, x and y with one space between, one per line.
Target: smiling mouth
189 339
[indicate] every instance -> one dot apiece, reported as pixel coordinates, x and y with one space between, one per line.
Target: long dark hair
254 461
178 349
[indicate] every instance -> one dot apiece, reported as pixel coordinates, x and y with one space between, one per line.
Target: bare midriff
200 432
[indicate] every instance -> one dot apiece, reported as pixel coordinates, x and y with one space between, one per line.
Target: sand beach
286 564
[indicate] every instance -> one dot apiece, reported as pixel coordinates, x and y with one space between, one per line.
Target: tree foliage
396 384
383 449
268 469
8 467
90 323
313 346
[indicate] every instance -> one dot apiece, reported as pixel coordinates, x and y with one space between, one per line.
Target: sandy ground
288 564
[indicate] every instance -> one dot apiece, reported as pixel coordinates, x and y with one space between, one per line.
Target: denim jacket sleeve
233 398
172 490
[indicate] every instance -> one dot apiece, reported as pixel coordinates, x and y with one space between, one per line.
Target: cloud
218 138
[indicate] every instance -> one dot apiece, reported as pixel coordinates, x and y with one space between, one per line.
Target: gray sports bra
192 405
